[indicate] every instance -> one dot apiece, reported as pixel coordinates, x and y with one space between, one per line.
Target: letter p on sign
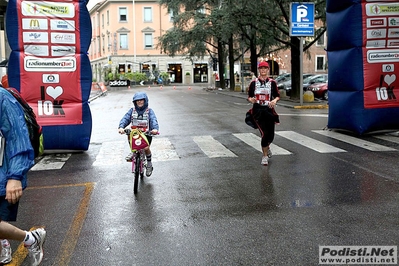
301 13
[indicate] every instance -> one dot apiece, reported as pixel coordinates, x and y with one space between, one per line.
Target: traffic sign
302 19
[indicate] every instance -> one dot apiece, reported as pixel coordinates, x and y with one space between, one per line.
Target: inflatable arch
49 65
363 65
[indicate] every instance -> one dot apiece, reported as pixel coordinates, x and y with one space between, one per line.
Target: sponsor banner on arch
363 53
381 54
49 45
49 65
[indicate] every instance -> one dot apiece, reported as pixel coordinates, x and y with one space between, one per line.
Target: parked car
320 90
287 84
320 78
283 77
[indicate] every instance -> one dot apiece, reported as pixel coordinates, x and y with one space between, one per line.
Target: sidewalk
284 101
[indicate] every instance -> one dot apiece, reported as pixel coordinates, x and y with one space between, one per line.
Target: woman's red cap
263 64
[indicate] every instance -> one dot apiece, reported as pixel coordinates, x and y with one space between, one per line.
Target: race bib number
262 99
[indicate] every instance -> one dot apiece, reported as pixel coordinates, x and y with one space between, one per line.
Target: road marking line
308 142
111 153
51 162
305 115
389 138
254 141
163 150
71 238
354 141
212 148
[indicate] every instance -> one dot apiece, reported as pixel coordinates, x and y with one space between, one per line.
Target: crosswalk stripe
212 148
51 162
389 138
254 141
308 142
354 141
111 153
163 150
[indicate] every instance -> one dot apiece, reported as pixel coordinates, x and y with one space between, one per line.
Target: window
321 40
107 17
171 15
109 43
147 14
148 40
122 14
98 45
102 22
320 62
123 41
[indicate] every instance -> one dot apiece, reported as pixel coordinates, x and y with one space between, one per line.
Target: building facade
124 40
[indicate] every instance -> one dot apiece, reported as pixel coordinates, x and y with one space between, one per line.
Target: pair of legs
32 240
148 156
266 126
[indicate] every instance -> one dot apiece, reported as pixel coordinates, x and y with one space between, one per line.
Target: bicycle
139 160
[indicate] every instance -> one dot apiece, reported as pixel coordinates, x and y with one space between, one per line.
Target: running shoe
269 153
5 256
36 249
264 160
129 158
148 169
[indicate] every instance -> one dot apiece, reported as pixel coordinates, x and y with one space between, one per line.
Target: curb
310 107
282 102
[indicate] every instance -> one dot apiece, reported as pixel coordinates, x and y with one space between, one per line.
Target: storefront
175 72
200 72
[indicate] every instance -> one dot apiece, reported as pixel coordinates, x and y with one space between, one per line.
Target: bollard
308 97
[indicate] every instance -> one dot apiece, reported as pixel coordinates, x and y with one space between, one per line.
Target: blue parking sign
302 19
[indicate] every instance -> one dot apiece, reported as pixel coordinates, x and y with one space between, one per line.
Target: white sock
29 239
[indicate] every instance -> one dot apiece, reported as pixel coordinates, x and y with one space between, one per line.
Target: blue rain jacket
127 118
18 154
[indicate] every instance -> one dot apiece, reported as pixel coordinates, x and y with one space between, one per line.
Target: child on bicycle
142 117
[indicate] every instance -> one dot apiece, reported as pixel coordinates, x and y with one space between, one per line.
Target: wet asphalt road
196 210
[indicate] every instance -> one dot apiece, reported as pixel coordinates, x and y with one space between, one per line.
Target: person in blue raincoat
17 157
144 117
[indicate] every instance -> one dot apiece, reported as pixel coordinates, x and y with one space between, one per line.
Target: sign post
301 24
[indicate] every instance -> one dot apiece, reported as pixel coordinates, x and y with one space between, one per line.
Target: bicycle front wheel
136 173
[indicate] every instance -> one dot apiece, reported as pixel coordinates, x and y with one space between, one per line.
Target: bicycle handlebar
148 133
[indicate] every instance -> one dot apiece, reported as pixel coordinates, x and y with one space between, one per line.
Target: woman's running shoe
264 160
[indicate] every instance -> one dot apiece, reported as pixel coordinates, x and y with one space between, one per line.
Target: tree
260 27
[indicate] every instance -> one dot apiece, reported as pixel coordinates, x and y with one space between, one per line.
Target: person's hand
272 104
154 132
252 99
13 191
121 130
